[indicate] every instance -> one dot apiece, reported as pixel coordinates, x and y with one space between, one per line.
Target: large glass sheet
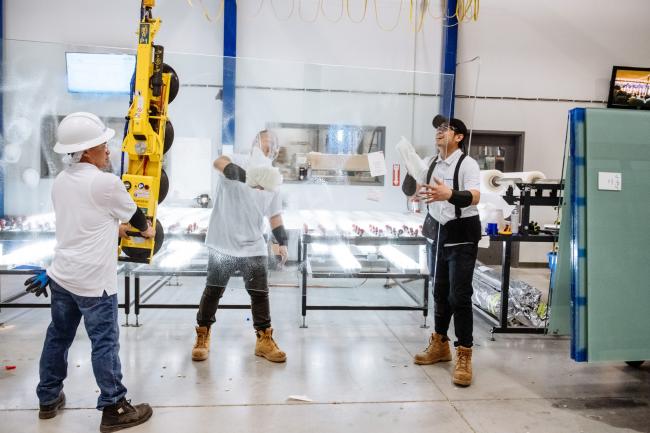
341 114
618 155
559 322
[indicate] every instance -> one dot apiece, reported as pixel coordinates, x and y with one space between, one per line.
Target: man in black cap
450 185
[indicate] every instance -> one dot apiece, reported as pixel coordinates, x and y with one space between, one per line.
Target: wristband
234 172
280 235
460 198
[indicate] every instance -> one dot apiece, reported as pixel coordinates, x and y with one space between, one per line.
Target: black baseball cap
454 124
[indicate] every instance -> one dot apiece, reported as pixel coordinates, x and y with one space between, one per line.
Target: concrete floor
355 366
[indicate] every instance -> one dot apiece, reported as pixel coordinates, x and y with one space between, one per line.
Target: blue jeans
100 319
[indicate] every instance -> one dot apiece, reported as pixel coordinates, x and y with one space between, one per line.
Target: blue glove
38 283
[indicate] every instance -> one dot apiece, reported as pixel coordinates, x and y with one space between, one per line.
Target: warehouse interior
555 97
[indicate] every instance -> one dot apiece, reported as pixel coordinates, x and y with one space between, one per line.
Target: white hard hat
81 131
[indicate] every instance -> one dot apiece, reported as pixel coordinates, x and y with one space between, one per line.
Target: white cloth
238 219
268 178
88 205
414 164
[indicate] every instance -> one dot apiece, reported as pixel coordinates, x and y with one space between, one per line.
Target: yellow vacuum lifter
149 136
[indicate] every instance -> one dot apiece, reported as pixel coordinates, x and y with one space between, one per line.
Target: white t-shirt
88 205
238 218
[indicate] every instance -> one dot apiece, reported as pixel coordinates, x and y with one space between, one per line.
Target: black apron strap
456 187
430 173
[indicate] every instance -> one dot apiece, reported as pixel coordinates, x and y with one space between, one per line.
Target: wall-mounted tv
99 73
629 88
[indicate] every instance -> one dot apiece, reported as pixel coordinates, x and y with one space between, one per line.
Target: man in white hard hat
244 200
89 205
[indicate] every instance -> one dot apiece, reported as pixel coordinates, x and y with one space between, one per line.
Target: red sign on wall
396 179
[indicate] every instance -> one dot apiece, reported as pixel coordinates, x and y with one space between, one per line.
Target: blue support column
2 111
449 58
229 71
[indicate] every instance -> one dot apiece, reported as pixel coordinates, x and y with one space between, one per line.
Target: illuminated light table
340 261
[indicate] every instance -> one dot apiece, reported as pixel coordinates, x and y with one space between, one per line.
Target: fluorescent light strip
180 254
320 248
30 254
366 249
345 258
398 258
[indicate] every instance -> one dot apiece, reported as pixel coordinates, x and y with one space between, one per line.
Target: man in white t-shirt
88 205
244 201
450 185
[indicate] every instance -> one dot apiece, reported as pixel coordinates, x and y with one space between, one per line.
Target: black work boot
123 415
47 411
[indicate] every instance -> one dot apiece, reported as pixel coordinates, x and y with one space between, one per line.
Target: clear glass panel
327 119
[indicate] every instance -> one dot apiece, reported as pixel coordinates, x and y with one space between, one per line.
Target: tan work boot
201 348
266 347
463 371
437 351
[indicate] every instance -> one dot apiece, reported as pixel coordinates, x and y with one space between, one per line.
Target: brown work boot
201 348
463 371
437 351
266 347
123 415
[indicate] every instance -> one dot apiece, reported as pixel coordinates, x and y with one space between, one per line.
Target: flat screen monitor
629 88
99 73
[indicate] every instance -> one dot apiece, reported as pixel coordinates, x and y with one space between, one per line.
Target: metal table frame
501 324
141 296
306 271
9 302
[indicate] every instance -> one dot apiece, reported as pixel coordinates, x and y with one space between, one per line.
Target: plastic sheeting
525 306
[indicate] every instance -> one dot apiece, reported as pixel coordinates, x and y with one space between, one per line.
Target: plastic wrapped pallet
524 305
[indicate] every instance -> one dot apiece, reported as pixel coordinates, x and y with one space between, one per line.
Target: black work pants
452 269
254 271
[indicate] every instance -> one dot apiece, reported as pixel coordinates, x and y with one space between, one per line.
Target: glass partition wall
336 128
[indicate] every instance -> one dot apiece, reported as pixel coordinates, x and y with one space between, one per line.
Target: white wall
546 49
341 43
111 23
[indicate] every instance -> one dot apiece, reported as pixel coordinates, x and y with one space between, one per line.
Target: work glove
38 283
